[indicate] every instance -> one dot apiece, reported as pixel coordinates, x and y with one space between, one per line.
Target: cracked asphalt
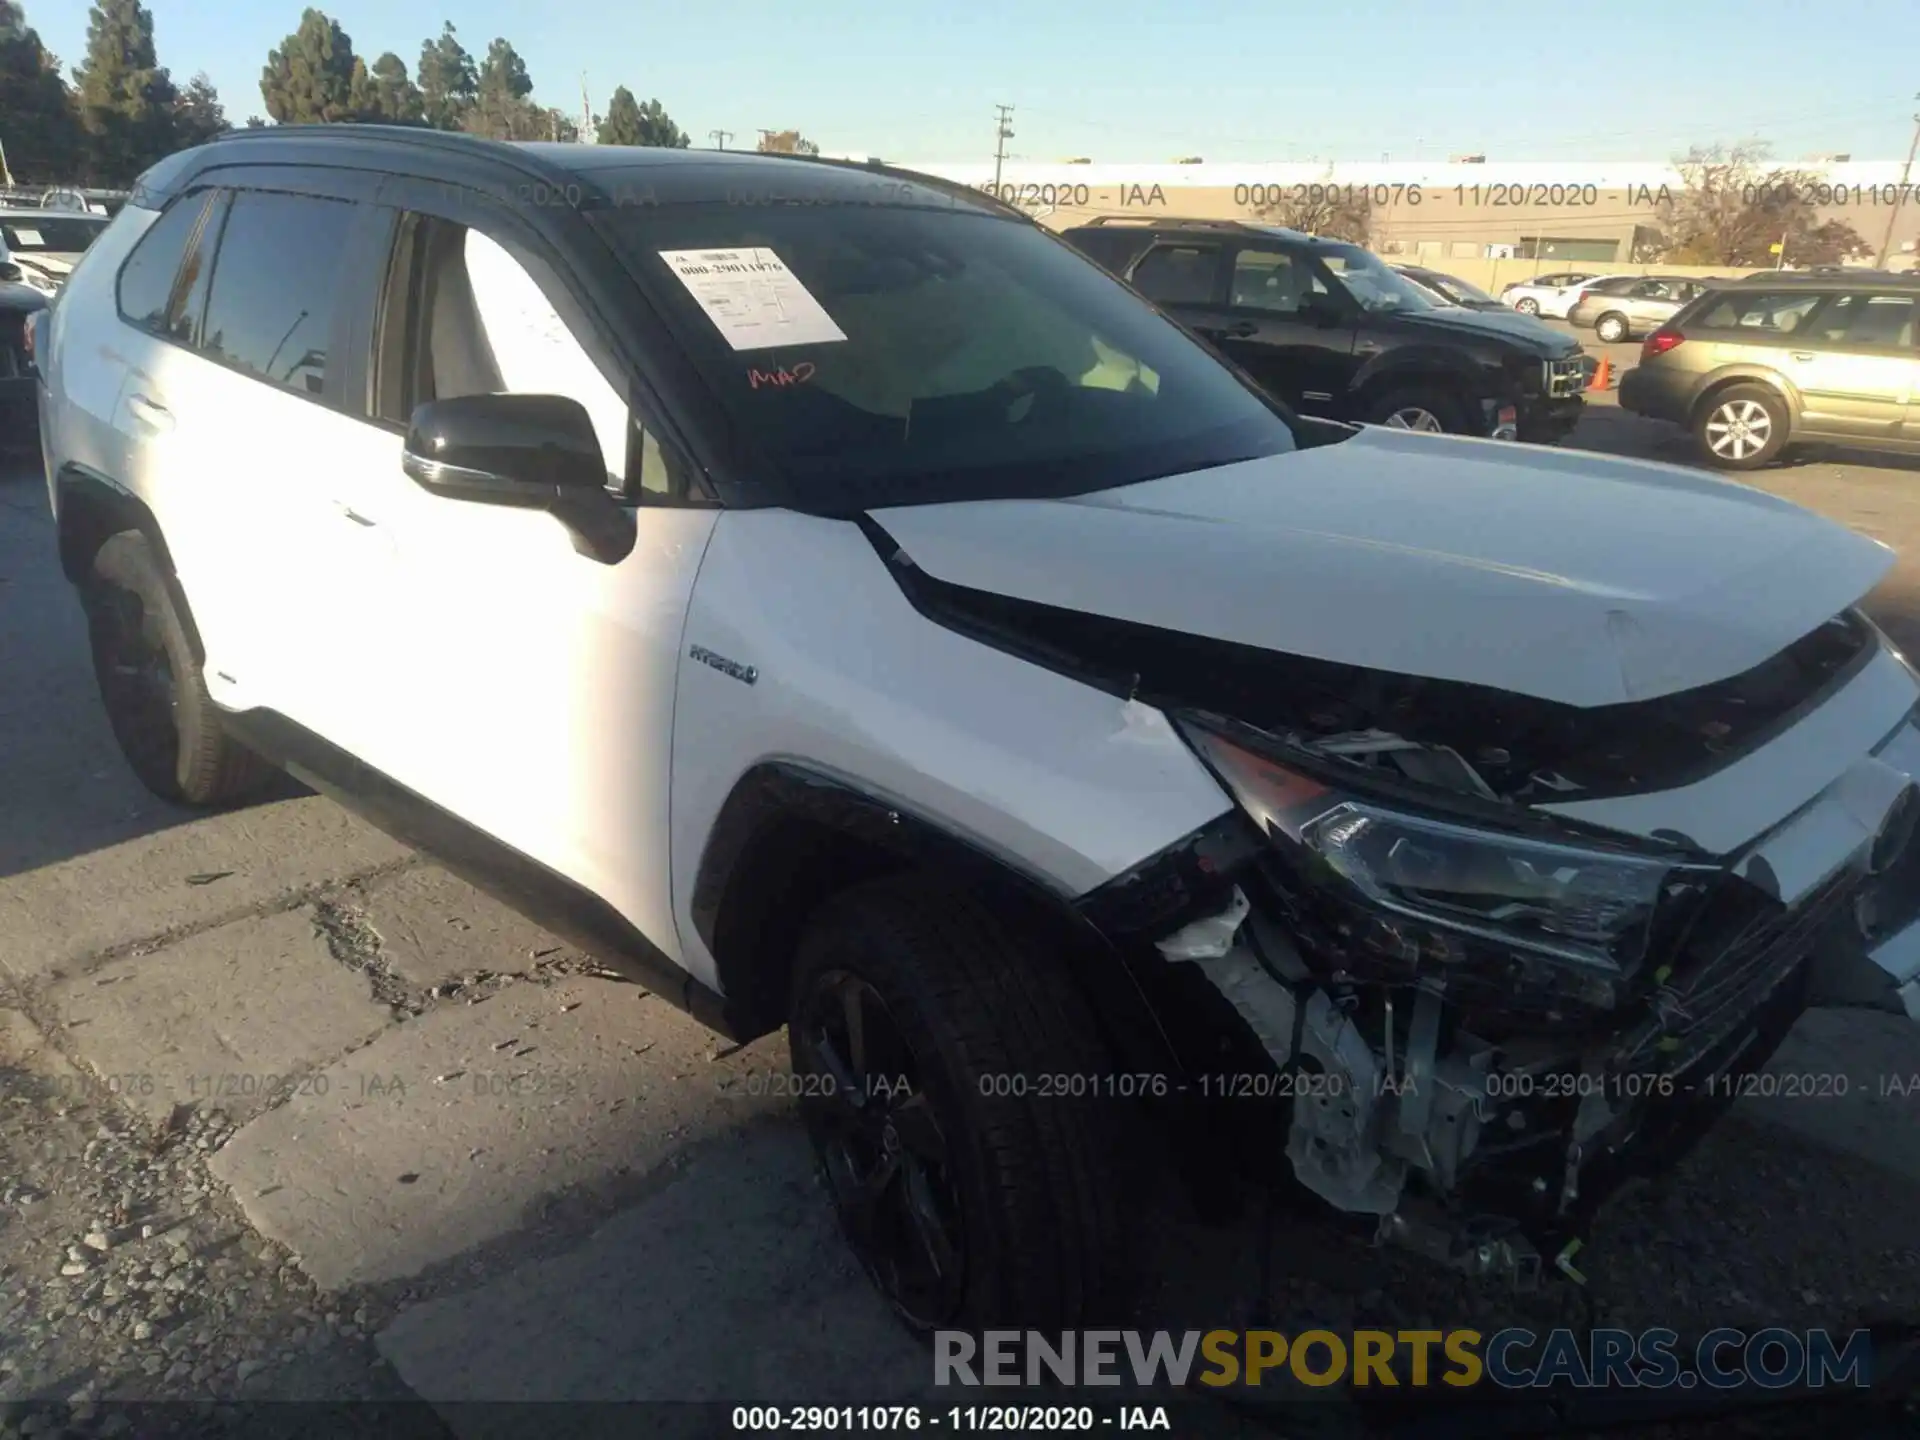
288 1113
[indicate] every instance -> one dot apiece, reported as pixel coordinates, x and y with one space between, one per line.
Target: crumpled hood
1560 574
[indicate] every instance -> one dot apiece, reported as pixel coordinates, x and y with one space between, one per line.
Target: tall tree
630 123
448 80
501 110
198 115
395 96
41 135
1334 211
787 142
308 79
125 97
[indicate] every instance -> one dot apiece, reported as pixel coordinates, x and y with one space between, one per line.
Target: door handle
150 412
354 515
1801 354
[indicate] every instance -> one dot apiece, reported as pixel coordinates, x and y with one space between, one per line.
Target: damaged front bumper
1486 1136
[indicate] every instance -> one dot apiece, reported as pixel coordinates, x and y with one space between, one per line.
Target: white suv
824 594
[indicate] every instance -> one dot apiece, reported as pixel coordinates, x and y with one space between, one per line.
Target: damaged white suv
827 596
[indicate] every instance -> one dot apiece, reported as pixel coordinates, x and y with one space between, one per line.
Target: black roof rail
425 137
1170 222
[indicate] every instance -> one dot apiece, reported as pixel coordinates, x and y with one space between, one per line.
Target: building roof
1438 174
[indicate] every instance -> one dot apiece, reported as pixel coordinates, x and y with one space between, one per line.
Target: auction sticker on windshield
753 298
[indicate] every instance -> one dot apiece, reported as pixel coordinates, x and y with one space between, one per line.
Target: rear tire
1000 1206
1742 428
1527 305
1420 407
155 698
1612 327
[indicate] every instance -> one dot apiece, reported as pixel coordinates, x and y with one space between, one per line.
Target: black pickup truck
1332 330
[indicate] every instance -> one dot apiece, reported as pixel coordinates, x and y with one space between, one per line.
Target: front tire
1527 305
1611 327
1420 407
923 1031
150 684
1742 428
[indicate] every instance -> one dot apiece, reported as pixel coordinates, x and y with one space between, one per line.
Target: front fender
1425 364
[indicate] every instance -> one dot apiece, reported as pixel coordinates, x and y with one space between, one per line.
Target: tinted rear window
961 355
56 234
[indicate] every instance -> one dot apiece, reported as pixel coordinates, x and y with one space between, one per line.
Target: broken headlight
1415 895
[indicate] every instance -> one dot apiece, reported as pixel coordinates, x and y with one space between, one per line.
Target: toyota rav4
830 598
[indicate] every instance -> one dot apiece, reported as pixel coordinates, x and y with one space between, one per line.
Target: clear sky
1126 81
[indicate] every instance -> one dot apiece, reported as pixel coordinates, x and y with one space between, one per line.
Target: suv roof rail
539 166
1170 222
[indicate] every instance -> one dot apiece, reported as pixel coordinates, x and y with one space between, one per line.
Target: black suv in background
1331 329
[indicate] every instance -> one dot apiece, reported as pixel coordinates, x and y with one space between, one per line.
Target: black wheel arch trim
538 892
92 508
752 863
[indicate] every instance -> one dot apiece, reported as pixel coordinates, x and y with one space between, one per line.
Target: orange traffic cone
1602 377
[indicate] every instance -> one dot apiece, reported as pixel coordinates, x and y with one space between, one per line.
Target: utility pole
1900 196
586 113
720 138
1002 132
6 174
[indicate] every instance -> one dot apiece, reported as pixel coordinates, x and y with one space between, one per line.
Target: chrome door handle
150 412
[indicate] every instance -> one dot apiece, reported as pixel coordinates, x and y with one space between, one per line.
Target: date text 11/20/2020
847 1419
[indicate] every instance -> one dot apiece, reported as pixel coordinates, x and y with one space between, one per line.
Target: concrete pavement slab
224 1019
448 1131
198 874
1850 1080
730 1283
434 927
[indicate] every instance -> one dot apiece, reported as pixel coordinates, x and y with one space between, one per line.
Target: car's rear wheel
1420 407
950 1078
1611 327
1743 427
156 701
1527 305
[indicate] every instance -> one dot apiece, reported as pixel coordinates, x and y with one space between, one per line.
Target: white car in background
1551 295
45 245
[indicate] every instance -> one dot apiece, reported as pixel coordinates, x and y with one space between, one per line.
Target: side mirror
528 452
11 272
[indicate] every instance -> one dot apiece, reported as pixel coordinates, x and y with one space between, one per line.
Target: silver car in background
1629 305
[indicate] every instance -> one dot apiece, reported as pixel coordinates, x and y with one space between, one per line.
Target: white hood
1559 574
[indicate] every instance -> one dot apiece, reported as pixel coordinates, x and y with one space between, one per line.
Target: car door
1855 367
1284 324
256 439
529 687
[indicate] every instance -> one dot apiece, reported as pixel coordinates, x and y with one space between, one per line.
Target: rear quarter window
1752 314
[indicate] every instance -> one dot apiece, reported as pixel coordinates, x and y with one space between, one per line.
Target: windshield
56 234
902 355
1372 282
1460 292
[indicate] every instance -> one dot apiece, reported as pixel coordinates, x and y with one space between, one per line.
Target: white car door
530 688
257 437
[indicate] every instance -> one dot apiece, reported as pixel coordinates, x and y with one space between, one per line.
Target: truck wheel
947 1071
1611 327
155 698
1742 428
1419 407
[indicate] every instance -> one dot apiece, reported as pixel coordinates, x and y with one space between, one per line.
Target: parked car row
1335 332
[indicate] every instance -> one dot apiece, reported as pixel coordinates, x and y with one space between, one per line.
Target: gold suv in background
1781 358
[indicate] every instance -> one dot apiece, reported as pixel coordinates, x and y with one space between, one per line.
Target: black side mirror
530 452
11 272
